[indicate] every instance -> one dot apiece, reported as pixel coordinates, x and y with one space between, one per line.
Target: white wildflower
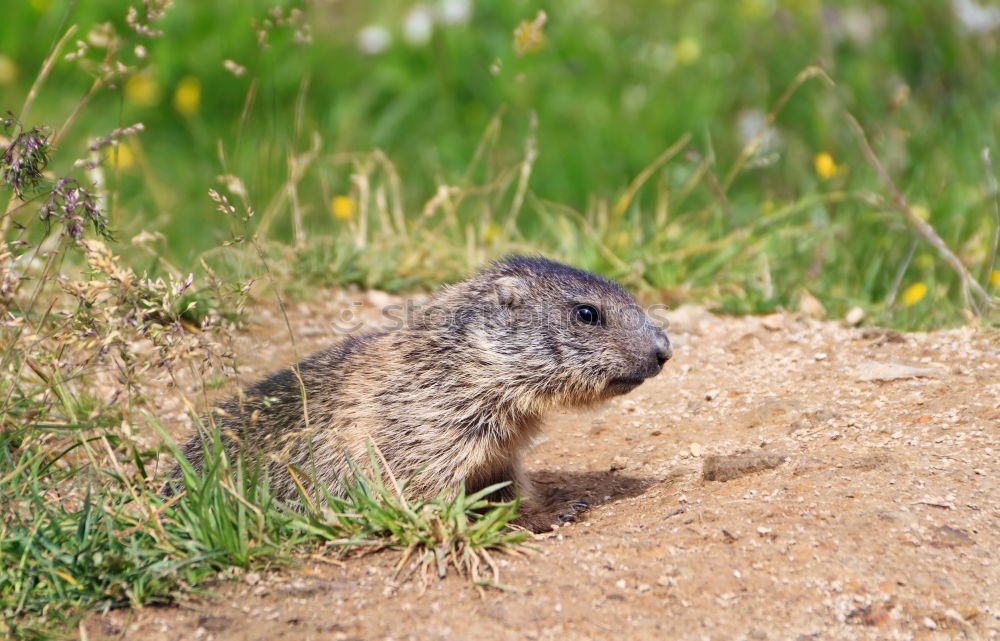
418 25
373 39
455 11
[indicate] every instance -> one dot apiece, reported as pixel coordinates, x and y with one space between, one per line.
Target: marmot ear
509 291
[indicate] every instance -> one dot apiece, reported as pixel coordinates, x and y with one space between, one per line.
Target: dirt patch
732 466
882 519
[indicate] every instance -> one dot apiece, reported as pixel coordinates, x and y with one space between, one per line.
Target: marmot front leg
531 516
534 513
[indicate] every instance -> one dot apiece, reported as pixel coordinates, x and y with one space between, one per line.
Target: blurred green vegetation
610 87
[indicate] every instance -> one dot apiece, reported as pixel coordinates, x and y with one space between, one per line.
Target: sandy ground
881 519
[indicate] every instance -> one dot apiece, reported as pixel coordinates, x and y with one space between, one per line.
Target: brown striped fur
457 394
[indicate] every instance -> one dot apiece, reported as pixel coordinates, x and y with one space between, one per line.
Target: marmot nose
662 350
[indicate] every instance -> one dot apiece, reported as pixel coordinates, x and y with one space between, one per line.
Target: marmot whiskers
459 392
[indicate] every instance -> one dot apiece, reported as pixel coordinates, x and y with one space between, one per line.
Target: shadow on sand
560 488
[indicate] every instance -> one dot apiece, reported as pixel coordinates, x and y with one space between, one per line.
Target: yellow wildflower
687 50
914 294
342 207
187 96
491 233
142 90
528 36
824 165
8 71
119 157
995 278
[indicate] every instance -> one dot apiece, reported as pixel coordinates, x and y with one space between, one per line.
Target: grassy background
611 87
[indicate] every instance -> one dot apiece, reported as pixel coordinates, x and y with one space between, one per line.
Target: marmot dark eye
587 314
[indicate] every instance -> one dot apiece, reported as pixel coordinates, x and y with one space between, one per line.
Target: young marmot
459 392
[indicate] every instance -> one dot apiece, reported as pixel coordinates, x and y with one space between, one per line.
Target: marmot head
555 334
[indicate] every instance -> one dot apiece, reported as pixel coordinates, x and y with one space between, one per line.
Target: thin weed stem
978 300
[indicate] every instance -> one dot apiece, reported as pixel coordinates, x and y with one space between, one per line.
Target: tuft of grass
453 529
74 540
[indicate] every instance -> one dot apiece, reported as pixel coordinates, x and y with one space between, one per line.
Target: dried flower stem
50 62
25 110
75 113
748 150
991 193
975 296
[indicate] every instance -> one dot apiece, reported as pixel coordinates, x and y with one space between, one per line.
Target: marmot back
458 393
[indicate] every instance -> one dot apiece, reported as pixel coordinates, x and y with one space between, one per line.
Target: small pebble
773 322
619 463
